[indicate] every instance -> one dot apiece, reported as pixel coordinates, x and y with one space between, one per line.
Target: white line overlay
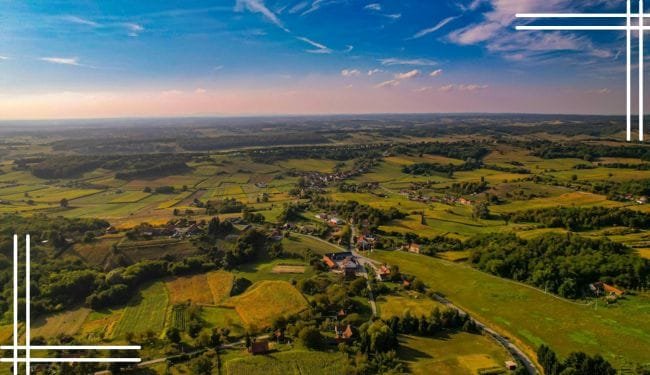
628 28
28 359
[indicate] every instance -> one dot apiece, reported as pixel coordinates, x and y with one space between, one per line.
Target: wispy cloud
320 48
389 83
4 57
350 72
473 87
298 7
134 29
257 6
414 62
317 4
408 75
374 71
436 73
374 6
433 29
62 60
423 89
81 21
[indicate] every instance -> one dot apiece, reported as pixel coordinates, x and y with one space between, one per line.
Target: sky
125 58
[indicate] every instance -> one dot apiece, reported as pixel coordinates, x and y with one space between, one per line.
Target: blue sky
142 58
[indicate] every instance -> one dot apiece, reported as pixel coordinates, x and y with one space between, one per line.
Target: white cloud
394 16
317 4
320 48
473 87
62 60
446 88
350 72
374 71
423 89
4 58
374 6
81 21
435 28
257 6
408 75
436 73
390 83
603 91
348 48
134 29
200 90
414 62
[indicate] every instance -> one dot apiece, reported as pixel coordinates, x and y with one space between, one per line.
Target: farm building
344 262
259 347
337 221
329 262
384 272
511 365
603 288
343 335
412 248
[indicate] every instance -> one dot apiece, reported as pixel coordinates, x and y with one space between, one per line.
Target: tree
64 203
202 365
311 337
174 335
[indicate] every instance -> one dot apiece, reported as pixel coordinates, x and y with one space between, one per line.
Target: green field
453 354
416 305
146 311
621 332
292 362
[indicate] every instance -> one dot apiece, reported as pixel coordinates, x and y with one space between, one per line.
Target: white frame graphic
27 359
628 28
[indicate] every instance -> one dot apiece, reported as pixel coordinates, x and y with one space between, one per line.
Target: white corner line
28 298
15 317
74 347
77 360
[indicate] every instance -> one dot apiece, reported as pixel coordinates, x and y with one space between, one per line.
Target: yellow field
6 334
130 197
283 268
68 323
267 300
101 324
205 289
220 283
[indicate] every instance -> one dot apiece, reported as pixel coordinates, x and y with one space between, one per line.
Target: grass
95 252
220 317
300 243
220 284
417 305
145 312
267 300
290 362
455 354
620 332
130 197
67 323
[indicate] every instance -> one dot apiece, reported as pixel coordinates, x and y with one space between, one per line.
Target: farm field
203 289
67 323
290 362
454 354
265 300
414 304
144 312
532 317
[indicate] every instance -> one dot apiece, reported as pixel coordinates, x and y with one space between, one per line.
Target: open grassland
207 289
455 354
67 323
291 362
416 305
263 270
146 311
157 249
309 165
299 244
283 268
620 332
578 198
267 300
220 317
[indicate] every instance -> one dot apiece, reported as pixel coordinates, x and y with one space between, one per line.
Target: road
363 262
511 347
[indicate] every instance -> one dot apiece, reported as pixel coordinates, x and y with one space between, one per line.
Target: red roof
330 263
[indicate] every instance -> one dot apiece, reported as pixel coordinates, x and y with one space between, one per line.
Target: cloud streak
433 29
73 61
257 6
413 62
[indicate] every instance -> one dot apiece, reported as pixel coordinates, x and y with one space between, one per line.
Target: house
343 335
642 200
364 243
612 290
341 314
111 230
337 221
465 202
349 266
511 365
329 262
413 248
384 272
322 216
279 335
259 347
406 283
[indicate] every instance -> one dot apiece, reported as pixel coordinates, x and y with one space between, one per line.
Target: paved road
363 262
